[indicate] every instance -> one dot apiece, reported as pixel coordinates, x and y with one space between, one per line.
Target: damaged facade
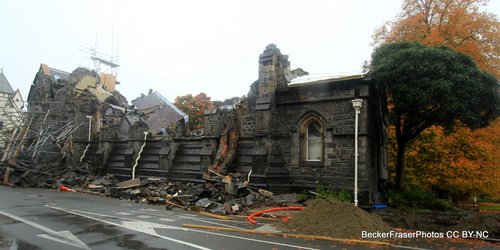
292 132
60 107
11 109
297 131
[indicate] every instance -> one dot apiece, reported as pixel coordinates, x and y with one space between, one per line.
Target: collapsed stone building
59 107
292 132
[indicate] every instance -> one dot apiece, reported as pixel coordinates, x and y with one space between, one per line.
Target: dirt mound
334 219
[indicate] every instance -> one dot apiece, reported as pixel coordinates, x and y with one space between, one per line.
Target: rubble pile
53 174
334 219
220 197
210 196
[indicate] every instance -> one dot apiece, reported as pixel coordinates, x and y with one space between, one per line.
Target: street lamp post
356 104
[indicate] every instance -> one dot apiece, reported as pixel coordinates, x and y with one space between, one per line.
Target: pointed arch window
314 147
312 139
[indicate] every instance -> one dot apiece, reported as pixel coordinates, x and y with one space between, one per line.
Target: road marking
148 228
152 215
149 209
123 213
208 222
135 225
192 215
144 216
167 220
255 240
65 237
406 247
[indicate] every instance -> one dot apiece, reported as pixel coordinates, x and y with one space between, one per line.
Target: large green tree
428 86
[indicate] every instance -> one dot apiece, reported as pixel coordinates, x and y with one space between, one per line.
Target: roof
55 73
155 99
171 105
59 74
324 78
159 110
5 85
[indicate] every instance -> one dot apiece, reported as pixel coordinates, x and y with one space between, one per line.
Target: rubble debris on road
213 196
129 184
320 217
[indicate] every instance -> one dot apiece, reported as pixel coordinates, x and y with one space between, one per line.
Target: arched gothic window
312 138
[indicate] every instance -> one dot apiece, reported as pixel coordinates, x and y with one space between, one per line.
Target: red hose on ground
249 218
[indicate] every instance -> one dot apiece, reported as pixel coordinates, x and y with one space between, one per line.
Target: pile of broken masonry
211 196
229 194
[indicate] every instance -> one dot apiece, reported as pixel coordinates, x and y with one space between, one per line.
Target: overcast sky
180 47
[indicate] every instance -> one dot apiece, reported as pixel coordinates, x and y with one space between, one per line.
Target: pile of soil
334 219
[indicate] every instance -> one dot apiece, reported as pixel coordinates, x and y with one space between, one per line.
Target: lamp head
357 104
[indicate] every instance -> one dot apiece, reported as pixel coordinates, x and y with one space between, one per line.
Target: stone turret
274 72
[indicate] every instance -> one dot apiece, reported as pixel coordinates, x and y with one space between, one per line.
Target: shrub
324 193
412 197
302 197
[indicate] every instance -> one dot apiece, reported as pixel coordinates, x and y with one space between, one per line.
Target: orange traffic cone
66 189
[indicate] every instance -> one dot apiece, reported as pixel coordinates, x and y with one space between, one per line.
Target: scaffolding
35 138
110 62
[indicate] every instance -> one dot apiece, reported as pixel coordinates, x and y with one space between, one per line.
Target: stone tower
274 71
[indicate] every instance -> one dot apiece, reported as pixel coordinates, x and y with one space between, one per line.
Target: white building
11 105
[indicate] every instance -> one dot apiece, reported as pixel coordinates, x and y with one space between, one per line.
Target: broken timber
129 184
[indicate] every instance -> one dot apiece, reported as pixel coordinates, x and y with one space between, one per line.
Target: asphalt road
51 219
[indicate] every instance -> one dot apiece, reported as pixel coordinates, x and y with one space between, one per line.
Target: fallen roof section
160 112
57 74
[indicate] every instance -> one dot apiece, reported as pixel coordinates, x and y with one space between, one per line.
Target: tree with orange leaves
458 24
465 161
462 163
195 108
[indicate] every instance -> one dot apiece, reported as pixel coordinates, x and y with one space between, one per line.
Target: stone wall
247 126
272 121
215 122
272 115
274 69
332 104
